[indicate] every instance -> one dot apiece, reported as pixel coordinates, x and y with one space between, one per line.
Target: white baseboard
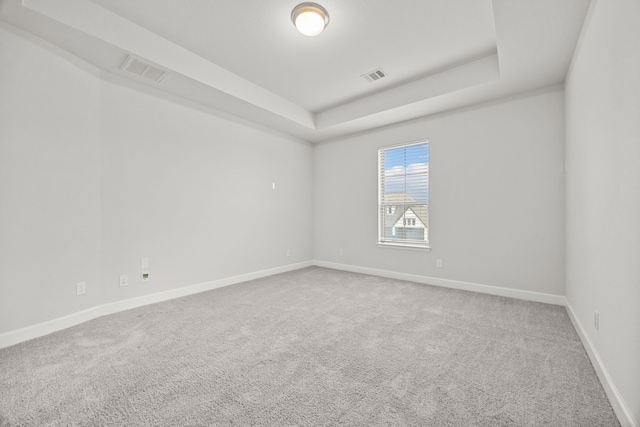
453 284
30 332
617 402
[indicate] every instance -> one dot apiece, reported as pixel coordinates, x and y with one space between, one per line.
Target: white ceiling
245 58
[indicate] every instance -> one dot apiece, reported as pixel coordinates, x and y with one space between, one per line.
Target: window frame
382 209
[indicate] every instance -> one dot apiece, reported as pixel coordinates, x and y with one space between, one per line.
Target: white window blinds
403 195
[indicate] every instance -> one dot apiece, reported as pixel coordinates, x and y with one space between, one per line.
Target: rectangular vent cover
374 75
143 69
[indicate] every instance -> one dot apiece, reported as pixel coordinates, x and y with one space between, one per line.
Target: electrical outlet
124 280
144 276
81 288
341 252
439 263
144 263
596 320
288 252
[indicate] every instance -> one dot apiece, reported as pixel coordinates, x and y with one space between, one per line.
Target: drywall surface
49 184
496 196
96 173
194 193
603 190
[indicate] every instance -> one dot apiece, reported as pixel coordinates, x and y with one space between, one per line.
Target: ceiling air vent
374 75
143 69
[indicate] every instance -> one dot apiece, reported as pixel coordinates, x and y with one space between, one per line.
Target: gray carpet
313 347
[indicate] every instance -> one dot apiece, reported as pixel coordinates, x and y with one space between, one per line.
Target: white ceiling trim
104 25
93 20
533 45
473 73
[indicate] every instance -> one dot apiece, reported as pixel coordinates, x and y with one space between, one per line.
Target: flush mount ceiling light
310 18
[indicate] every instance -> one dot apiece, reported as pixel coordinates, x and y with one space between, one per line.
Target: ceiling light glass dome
310 18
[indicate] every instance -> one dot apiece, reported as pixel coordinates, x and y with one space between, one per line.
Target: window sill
405 247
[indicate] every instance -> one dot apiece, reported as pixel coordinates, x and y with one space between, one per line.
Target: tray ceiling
245 58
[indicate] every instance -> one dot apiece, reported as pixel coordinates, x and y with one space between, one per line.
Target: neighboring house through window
403 195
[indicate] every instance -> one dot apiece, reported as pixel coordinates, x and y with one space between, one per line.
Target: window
403 195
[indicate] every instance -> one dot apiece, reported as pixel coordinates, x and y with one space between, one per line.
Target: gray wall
193 192
49 184
603 190
95 175
496 196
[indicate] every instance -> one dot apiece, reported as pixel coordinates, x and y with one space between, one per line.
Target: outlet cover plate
124 280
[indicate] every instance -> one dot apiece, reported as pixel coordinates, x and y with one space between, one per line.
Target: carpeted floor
314 347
